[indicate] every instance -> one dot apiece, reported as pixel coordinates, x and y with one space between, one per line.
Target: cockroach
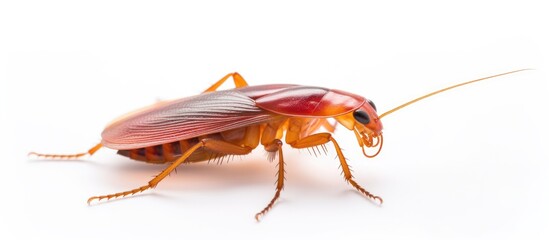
216 124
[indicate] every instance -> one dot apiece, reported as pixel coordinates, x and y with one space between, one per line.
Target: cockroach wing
306 101
184 118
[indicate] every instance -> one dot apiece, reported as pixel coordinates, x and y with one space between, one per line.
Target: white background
467 164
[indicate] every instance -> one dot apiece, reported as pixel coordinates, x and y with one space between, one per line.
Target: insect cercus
215 124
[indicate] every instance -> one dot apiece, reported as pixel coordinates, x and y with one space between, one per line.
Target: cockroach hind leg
120 194
237 79
90 152
211 144
158 178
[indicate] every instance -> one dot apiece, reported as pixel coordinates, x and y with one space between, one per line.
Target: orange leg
214 145
323 138
275 146
68 156
237 78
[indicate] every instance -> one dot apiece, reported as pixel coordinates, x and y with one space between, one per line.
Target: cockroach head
366 119
363 119
366 125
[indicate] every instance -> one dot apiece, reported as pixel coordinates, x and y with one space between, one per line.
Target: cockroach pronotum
230 122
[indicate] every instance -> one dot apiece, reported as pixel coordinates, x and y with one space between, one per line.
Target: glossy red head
366 125
366 117
368 128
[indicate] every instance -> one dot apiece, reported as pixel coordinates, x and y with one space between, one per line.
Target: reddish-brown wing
190 117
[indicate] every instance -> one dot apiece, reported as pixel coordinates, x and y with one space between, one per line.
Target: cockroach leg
210 144
323 138
237 78
348 175
90 152
275 146
154 181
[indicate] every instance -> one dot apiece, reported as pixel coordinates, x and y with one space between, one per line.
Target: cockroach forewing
189 117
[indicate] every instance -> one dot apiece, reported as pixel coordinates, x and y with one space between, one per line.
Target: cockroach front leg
237 78
275 147
90 152
210 144
323 138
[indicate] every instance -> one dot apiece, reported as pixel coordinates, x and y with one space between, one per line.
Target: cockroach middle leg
323 138
90 152
275 146
237 78
210 144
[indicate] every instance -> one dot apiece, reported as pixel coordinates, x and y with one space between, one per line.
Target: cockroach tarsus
232 122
